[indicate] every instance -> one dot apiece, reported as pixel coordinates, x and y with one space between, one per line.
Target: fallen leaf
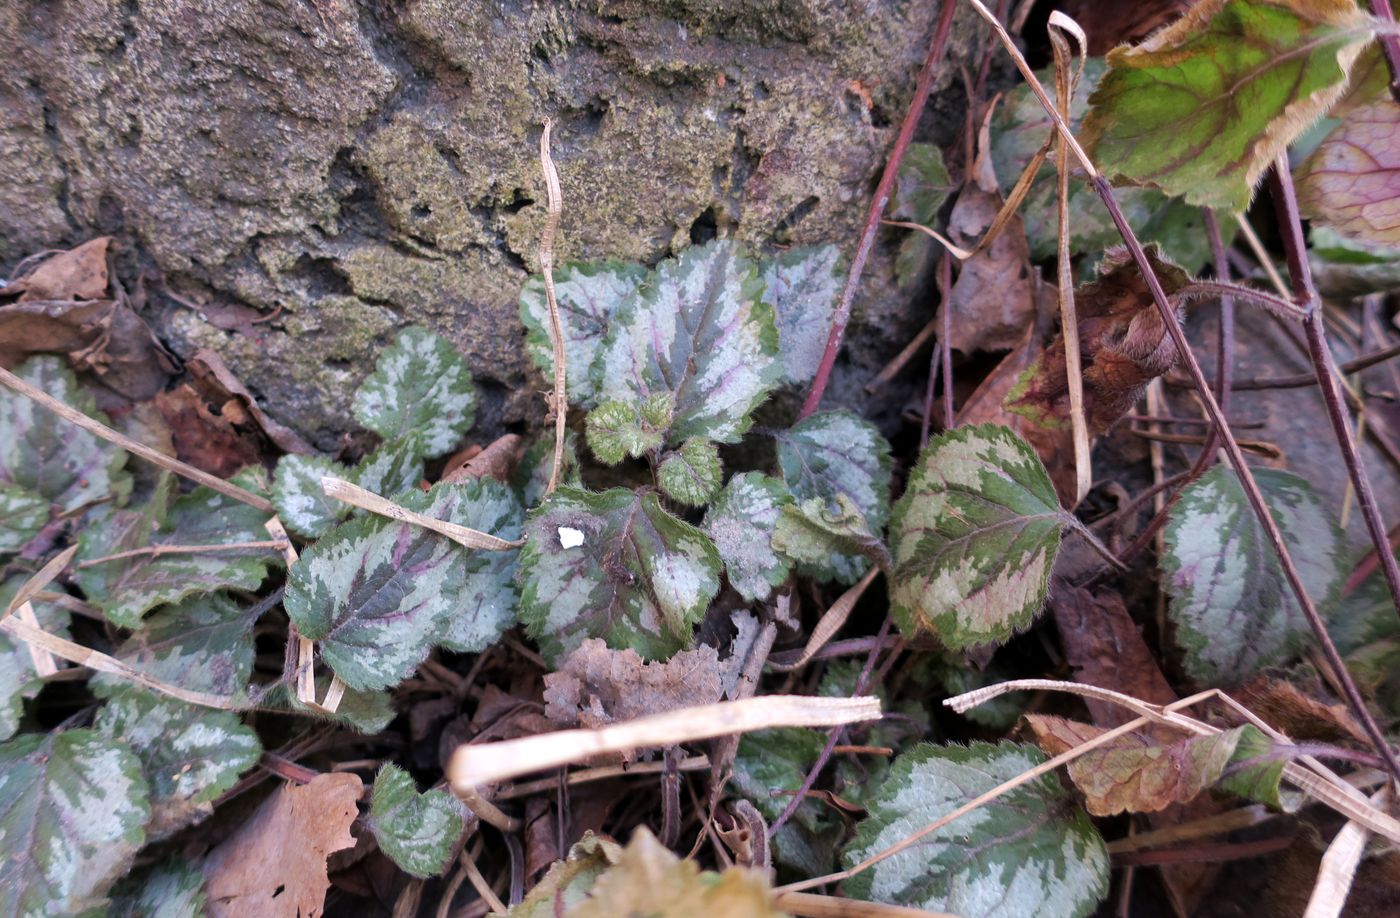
1299 716
275 864
498 460
204 437
220 386
1113 24
77 274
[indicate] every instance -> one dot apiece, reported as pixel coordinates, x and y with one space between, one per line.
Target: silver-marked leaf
22 514
48 456
73 811
836 452
1233 610
18 680
769 762
828 540
125 588
974 538
588 297
297 494
700 330
803 285
1031 851
532 474
390 470
420 388
379 594
366 711
172 889
613 565
204 644
691 474
419 832
618 430
741 523
189 755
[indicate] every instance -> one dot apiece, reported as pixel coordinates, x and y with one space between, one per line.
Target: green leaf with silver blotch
974 538
171 889
1232 607
296 493
22 514
619 430
837 452
1031 851
769 762
588 296
204 644
420 388
419 832
18 680
390 470
692 474
73 810
190 755
827 540
127 587
700 330
44 455
532 474
366 711
741 522
379 594
613 565
803 285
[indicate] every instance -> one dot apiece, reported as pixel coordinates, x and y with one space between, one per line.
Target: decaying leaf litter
508 675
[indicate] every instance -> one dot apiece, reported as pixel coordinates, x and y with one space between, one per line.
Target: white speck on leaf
570 537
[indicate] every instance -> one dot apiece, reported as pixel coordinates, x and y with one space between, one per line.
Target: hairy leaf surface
692 474
741 522
420 388
640 578
417 831
1233 610
172 889
828 540
837 452
974 538
803 284
22 514
1030 851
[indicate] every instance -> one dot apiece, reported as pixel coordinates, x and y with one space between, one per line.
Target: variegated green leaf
18 680
1255 769
699 330
827 540
189 755
172 889
45 455
419 832
769 762
390 470
974 538
1233 610
296 492
1031 851
692 474
73 809
379 594
616 566
366 711
125 588
204 644
420 388
22 514
803 285
741 523
532 474
588 298
836 452
618 430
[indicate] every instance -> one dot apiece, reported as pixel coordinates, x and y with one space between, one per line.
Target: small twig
156 457
602 773
1390 43
487 811
902 359
32 587
556 323
356 496
483 888
158 550
945 337
1302 380
1190 831
813 905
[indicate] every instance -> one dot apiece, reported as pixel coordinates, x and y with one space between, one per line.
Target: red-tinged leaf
1351 182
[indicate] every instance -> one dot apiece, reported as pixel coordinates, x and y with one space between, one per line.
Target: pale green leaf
45 455
700 330
419 832
22 514
1202 108
923 184
73 809
616 431
1233 610
189 755
974 538
127 587
172 889
827 540
379 594
18 680
420 388
588 298
390 470
741 523
692 474
804 285
631 574
1344 268
296 493
1255 769
1031 851
837 452
203 644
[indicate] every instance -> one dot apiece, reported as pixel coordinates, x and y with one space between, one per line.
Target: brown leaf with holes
211 438
220 385
77 274
597 686
1123 342
275 864
1135 773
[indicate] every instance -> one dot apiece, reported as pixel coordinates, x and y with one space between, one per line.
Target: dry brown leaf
205 439
220 386
275 864
1122 23
1284 706
77 274
497 460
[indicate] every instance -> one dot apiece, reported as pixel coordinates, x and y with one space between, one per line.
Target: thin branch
1225 336
1302 380
560 403
842 316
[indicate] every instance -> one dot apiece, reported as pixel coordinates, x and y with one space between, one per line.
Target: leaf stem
842 315
1276 305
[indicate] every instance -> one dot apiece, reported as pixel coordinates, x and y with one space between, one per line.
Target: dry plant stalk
42 578
1338 868
153 456
560 403
831 621
356 496
306 648
474 765
811 905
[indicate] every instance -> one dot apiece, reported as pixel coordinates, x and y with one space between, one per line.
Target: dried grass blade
356 496
831 621
560 402
1338 868
42 578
